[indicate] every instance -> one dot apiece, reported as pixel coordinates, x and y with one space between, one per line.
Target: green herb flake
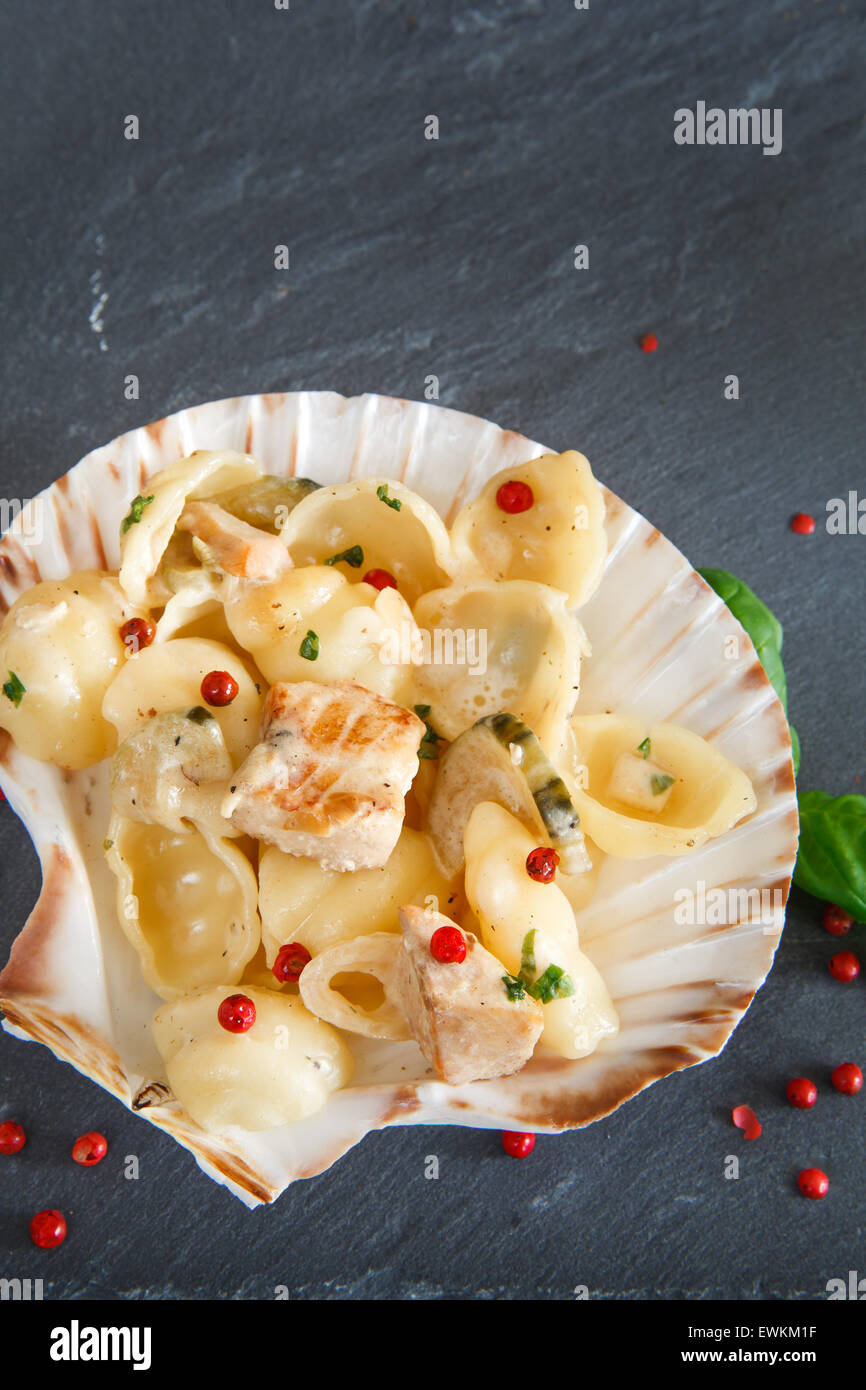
107 845
14 689
199 715
309 648
660 781
382 494
514 988
527 955
431 740
354 556
134 513
553 984
644 748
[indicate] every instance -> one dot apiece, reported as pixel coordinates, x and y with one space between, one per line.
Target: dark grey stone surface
412 257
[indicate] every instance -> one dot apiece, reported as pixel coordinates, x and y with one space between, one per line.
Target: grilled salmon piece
237 548
460 1014
328 778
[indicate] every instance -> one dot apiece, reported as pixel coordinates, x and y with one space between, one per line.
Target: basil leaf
644 748
382 494
765 631
514 987
134 513
831 864
421 710
354 556
309 648
660 781
553 984
14 689
430 751
199 715
527 954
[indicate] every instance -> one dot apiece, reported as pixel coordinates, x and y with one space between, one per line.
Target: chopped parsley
14 689
382 494
354 556
527 955
199 715
134 513
553 984
309 648
644 748
660 781
430 742
107 845
514 988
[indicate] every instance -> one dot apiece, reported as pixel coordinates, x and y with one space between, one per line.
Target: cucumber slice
500 759
257 503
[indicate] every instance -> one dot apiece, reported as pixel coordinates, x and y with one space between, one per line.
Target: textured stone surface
454 257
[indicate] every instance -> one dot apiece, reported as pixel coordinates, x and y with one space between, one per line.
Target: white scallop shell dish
663 648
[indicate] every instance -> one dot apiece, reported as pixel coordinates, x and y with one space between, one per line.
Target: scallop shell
659 641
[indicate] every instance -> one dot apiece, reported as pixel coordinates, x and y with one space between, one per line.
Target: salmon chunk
237 548
328 778
461 1015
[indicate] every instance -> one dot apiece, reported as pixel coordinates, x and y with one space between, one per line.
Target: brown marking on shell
403 1100
557 1109
28 966
215 1150
613 505
754 677
156 429
783 779
652 536
114 470
6 746
152 1093
293 454
272 401
248 437
143 473
68 1038
98 547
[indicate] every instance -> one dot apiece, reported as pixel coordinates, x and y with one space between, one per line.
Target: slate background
454 257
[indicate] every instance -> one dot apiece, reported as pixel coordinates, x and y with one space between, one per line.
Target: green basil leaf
762 626
527 955
382 494
831 864
354 556
14 689
514 987
660 781
644 748
134 514
309 648
553 984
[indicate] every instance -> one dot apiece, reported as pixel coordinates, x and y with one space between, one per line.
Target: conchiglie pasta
60 649
280 1071
707 796
172 771
397 531
499 646
301 902
186 902
530 927
354 627
168 676
559 540
145 540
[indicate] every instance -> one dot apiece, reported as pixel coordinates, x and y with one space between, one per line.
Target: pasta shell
144 543
61 642
168 676
376 955
186 902
301 902
398 532
281 1071
172 771
708 796
354 625
559 540
499 646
